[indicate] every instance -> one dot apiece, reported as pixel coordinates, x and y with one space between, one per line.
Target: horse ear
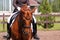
33 10
22 10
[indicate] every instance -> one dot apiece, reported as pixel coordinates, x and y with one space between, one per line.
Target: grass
3 29
56 27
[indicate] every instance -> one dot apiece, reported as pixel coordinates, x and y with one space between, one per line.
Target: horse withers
21 27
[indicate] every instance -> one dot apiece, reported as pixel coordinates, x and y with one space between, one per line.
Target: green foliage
50 18
45 8
55 5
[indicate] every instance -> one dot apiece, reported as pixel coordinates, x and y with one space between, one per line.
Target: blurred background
45 7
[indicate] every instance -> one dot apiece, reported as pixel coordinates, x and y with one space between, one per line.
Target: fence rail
46 15
38 22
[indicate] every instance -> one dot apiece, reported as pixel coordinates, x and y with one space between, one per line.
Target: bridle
24 19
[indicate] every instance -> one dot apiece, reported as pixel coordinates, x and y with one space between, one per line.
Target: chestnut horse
21 27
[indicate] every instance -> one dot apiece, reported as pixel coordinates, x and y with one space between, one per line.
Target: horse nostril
25 33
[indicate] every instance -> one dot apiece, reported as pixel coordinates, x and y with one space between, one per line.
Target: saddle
12 18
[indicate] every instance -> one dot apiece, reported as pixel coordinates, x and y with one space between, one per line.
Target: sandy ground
43 35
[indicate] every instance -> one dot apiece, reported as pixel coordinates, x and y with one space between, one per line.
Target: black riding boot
35 31
8 31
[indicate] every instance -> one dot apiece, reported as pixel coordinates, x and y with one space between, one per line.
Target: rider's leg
8 27
35 28
8 31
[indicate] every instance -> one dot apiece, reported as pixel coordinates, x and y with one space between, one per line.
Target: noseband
27 18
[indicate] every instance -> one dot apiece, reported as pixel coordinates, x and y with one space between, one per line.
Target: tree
45 8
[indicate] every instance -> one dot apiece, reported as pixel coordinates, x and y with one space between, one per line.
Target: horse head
27 15
27 20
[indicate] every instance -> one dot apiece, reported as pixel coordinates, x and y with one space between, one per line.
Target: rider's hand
18 8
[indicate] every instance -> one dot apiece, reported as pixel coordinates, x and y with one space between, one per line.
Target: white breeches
34 19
